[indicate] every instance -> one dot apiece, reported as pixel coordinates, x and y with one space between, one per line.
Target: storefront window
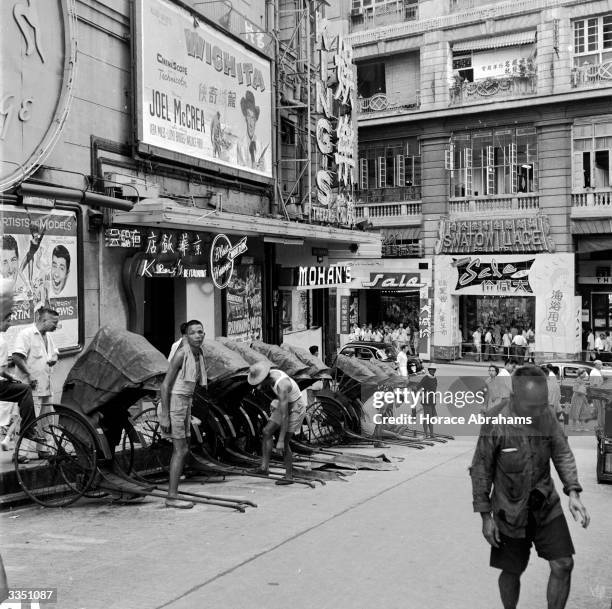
295 305
499 162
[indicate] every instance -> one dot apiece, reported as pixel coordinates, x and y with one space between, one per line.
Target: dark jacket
515 461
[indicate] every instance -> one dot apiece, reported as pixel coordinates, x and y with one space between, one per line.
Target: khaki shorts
180 417
296 415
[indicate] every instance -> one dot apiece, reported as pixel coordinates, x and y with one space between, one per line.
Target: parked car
383 352
569 371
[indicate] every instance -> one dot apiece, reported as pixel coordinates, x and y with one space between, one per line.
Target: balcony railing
381 102
592 204
383 14
592 75
493 204
502 87
391 214
389 195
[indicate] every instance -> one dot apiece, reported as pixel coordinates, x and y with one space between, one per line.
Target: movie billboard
40 257
199 92
243 308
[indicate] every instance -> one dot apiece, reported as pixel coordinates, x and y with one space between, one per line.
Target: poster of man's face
60 267
9 260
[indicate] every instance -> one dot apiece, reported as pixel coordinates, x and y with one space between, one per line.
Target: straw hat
258 372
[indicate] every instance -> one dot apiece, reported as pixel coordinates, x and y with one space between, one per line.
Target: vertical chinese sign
335 129
345 308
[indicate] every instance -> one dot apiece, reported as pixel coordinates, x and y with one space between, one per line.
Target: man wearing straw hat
288 412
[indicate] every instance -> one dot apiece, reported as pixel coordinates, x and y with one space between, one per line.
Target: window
462 65
370 79
592 40
493 162
393 164
591 155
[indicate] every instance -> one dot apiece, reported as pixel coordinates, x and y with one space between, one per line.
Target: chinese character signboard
168 253
243 304
511 277
37 62
518 235
335 129
200 93
40 257
345 308
509 61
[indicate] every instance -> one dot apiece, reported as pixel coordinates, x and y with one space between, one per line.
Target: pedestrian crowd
596 344
392 334
511 342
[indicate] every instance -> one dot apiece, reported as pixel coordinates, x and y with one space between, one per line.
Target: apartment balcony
592 75
493 89
381 104
592 204
392 12
389 195
404 213
518 205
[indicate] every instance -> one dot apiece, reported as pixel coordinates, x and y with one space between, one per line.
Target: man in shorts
288 412
524 508
186 371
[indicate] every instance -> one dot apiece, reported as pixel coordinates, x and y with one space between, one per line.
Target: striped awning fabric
496 42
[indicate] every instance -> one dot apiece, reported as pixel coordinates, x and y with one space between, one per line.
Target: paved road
399 539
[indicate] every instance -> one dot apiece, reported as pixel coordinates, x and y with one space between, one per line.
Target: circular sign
221 263
37 62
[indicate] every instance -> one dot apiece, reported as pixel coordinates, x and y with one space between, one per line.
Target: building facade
484 145
141 175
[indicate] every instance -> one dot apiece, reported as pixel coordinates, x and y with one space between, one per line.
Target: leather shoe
20 459
43 454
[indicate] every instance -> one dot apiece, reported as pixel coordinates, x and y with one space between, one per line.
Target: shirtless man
288 412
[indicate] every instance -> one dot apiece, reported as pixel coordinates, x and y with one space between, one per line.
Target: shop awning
168 213
496 42
413 232
594 244
601 226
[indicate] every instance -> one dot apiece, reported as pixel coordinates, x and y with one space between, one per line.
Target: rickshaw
93 448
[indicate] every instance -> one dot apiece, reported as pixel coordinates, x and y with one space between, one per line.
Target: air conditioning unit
132 186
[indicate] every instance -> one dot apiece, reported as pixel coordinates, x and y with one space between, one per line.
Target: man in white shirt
590 344
519 343
595 376
505 376
598 344
477 338
507 343
10 389
402 361
488 340
35 353
377 336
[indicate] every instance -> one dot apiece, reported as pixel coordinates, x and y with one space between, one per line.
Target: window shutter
513 167
382 172
467 168
363 174
449 157
490 170
400 170
577 171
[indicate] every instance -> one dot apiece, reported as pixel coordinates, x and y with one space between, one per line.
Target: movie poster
39 255
243 309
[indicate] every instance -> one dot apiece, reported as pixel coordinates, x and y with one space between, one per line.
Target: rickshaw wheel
69 472
325 422
151 453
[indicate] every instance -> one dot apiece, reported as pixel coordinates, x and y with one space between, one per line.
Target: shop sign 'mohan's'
322 276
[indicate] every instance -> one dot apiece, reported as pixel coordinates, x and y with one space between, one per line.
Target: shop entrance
159 322
392 307
495 312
